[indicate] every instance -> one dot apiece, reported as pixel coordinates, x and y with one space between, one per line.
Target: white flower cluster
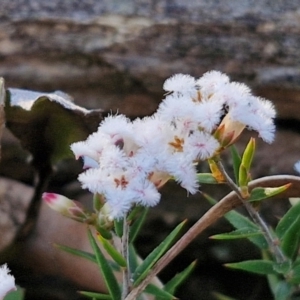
7 281
128 161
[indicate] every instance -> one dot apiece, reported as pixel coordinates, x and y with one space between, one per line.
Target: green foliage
258 266
96 295
106 270
261 193
206 178
159 293
142 270
241 233
178 279
113 252
79 253
137 224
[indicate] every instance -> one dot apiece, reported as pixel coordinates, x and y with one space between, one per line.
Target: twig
212 215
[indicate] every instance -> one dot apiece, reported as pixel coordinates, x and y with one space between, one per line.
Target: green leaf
143 269
206 178
133 258
158 292
236 161
137 225
287 220
80 253
289 242
258 266
283 291
295 275
19 294
96 295
238 234
248 154
239 221
282 267
243 176
178 279
119 227
113 252
260 193
106 234
106 270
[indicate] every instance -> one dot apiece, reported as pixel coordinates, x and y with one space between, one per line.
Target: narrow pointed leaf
239 221
96 295
106 270
237 234
236 161
260 193
119 227
206 178
133 259
112 251
290 241
258 266
137 225
158 292
142 270
179 278
80 253
286 220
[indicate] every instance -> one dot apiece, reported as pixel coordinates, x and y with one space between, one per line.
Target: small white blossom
7 281
128 161
180 83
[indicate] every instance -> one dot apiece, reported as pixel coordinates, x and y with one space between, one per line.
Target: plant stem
125 253
279 256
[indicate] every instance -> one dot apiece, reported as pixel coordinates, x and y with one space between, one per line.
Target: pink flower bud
65 206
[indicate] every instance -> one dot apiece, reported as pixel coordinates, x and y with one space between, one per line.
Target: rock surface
115 55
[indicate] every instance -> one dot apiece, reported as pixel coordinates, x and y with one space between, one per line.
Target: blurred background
115 55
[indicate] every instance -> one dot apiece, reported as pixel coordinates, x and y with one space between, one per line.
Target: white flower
211 81
203 145
180 83
128 161
7 281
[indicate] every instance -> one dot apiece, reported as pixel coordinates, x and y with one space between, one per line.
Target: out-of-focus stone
14 201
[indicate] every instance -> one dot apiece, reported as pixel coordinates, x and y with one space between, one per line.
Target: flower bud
65 206
228 131
104 218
